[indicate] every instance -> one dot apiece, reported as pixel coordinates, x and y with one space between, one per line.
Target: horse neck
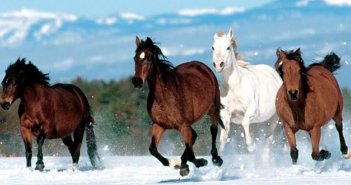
33 92
232 70
157 84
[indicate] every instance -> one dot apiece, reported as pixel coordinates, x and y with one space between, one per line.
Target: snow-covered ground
237 169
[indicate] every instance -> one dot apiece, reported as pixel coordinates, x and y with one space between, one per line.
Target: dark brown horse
48 111
308 99
178 97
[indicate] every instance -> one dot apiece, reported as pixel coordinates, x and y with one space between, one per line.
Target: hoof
184 170
39 167
348 155
217 161
323 154
200 162
174 163
251 147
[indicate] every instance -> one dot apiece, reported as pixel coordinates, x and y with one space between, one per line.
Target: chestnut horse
178 97
308 99
48 112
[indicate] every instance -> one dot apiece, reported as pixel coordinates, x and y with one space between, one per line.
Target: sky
104 8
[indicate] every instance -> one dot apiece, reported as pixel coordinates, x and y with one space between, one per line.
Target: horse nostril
293 94
137 82
214 64
6 105
221 64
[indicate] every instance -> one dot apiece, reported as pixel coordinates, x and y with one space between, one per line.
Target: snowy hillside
66 45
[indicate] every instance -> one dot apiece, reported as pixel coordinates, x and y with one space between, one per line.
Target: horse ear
230 33
149 41
278 51
215 36
137 41
298 51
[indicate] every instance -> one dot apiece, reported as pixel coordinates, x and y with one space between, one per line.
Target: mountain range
67 46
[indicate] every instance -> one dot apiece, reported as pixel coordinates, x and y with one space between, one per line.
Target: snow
206 11
15 25
237 169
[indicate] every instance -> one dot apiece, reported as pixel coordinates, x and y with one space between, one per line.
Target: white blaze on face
142 55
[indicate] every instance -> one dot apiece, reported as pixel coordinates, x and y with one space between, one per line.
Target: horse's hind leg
74 146
189 137
343 146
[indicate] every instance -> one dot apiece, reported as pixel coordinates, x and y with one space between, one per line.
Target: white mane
239 58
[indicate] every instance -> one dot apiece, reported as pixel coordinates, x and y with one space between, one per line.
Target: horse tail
92 148
90 135
331 62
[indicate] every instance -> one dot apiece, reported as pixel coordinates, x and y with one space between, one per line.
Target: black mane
158 56
27 72
330 61
159 60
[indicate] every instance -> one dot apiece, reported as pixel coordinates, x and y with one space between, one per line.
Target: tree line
122 124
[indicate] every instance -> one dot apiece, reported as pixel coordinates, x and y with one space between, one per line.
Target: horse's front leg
40 140
315 138
290 134
250 112
156 134
189 137
224 134
27 139
251 146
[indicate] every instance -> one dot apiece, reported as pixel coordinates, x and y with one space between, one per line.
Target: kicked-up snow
237 169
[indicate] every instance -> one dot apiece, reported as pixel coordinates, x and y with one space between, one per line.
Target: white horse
249 91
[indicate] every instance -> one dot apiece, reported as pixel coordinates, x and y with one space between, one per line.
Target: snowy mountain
66 45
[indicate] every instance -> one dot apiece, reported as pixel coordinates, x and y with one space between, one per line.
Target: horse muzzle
137 82
6 105
218 68
293 94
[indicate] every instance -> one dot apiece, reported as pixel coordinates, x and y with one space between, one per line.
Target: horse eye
228 47
212 48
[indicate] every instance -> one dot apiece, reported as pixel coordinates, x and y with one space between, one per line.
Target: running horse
248 93
308 99
178 97
48 112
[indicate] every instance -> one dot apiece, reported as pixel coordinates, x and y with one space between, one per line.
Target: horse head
143 61
17 75
291 68
223 46
147 56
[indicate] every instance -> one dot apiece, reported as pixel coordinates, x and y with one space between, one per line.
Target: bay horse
48 112
248 93
308 99
178 97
